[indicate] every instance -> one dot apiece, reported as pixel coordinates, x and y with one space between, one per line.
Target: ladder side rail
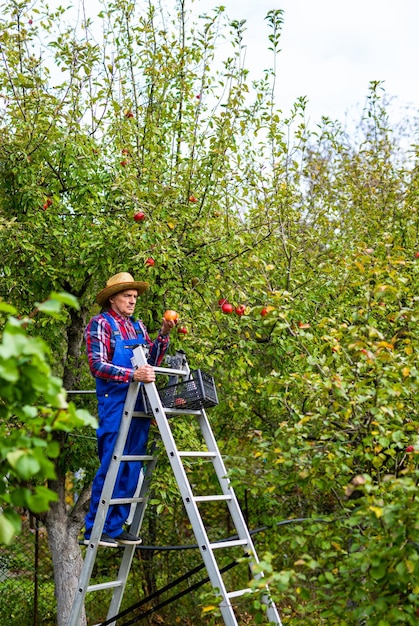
191 507
225 483
103 507
129 551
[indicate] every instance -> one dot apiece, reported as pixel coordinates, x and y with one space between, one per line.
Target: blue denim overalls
111 399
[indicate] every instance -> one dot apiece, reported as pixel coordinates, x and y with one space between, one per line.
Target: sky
331 50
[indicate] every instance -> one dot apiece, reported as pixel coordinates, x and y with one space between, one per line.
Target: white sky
332 49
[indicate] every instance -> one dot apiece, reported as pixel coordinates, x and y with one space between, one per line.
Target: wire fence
26 579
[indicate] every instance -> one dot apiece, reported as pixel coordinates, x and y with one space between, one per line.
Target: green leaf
24 463
10 526
66 298
7 308
40 500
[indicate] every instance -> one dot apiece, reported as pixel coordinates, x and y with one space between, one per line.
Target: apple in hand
171 315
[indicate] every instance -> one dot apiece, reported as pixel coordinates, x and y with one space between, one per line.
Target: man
110 338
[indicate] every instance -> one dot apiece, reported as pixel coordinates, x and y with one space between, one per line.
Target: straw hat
117 283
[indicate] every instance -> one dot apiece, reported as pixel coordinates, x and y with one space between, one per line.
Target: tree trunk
63 531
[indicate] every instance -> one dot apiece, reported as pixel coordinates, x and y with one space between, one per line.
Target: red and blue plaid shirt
100 345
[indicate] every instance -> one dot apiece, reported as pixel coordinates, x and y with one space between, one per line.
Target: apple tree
311 240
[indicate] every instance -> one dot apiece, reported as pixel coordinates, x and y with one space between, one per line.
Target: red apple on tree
221 301
139 216
417 255
182 330
227 308
129 114
192 198
150 261
240 309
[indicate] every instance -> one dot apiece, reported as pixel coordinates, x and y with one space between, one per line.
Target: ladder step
126 500
170 370
211 498
240 592
208 455
137 457
111 584
228 544
171 411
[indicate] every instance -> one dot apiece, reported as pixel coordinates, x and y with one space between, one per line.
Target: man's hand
144 374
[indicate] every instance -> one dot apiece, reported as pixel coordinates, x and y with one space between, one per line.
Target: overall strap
112 322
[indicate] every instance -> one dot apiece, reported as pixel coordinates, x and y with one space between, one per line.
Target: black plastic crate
195 393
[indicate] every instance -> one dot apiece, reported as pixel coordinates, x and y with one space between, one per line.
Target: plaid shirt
100 345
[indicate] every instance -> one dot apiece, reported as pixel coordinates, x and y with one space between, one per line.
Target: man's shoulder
102 316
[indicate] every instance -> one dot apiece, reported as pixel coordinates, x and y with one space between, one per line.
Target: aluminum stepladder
190 500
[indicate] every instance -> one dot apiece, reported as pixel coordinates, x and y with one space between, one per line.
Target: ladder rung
137 457
171 371
229 544
181 411
211 498
111 584
126 500
240 592
209 455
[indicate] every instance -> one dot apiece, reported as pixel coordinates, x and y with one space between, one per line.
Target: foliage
32 406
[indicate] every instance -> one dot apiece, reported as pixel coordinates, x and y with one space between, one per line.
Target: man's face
124 302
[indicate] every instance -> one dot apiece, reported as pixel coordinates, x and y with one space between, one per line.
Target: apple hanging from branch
227 308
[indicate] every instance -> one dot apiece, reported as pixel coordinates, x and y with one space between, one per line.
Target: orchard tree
131 152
